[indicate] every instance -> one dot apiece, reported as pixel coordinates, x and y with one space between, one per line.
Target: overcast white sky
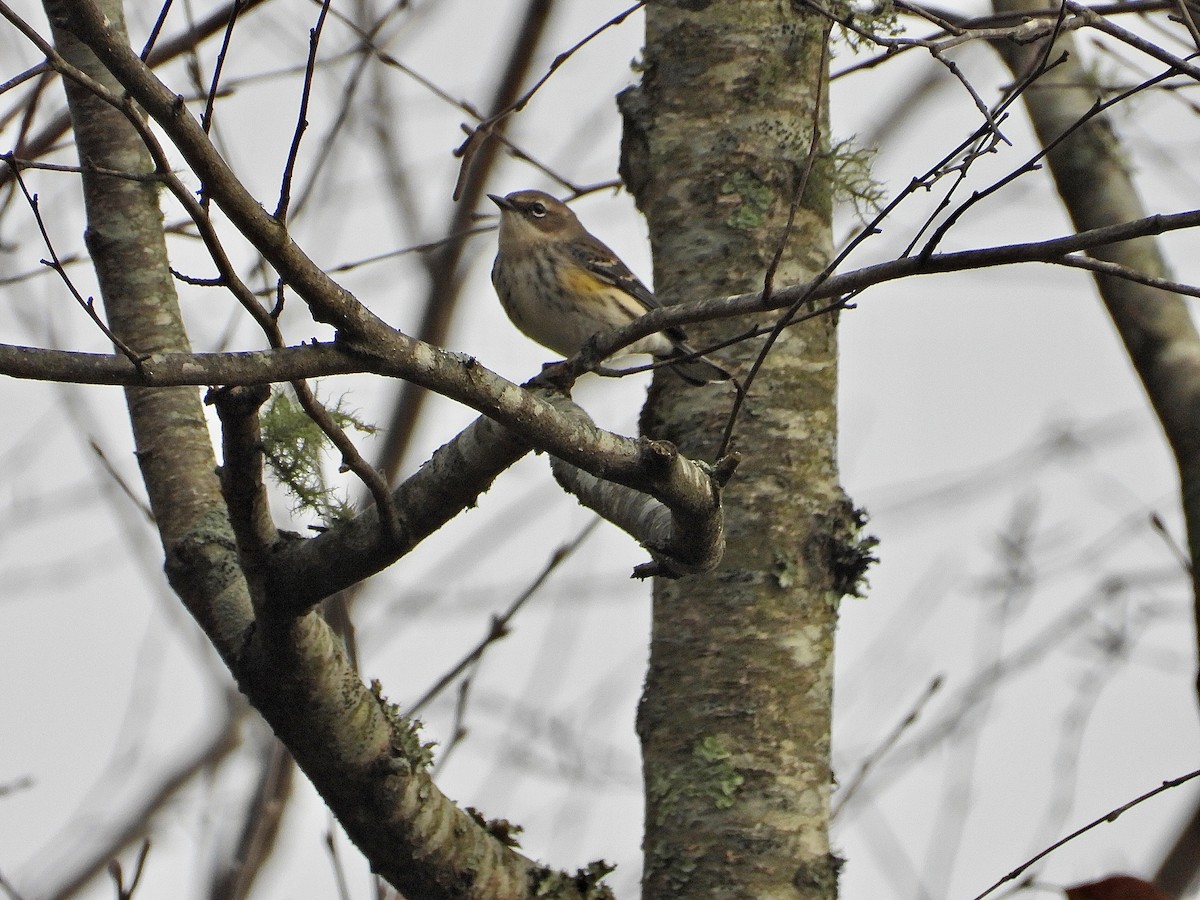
972 407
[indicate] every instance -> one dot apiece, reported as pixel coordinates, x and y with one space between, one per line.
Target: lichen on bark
716 139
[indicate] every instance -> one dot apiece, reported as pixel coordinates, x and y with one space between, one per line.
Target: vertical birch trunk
735 719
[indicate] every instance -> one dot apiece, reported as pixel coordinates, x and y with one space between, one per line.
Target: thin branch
1033 163
458 730
336 129
17 80
1104 267
1113 30
176 369
206 117
1181 557
483 130
285 188
1184 13
846 794
426 247
957 29
1111 816
498 629
22 163
23 783
119 480
389 514
981 143
367 38
335 860
88 305
318 359
156 30
936 50
118 876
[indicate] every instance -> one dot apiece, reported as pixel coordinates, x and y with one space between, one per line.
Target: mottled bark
125 238
735 719
364 759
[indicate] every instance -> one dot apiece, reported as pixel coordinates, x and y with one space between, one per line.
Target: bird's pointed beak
502 202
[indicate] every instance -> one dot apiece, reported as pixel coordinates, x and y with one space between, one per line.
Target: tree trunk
125 238
367 762
735 719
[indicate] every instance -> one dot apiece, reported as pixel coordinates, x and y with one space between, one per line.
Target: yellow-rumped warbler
561 286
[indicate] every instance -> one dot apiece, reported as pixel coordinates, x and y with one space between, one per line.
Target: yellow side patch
605 304
579 280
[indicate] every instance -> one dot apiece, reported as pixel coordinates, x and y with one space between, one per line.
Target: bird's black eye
537 209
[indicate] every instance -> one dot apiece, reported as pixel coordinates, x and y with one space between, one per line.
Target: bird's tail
693 368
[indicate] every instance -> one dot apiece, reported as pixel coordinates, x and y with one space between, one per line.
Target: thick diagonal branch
684 538
364 759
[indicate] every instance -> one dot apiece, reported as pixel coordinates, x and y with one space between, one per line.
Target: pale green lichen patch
719 779
406 732
754 200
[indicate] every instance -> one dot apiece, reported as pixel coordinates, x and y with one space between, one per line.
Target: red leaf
1116 887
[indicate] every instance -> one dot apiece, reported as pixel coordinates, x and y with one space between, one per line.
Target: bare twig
1100 23
846 794
25 76
936 49
152 39
1181 557
88 305
389 514
22 163
110 470
1034 162
427 247
285 188
335 860
1189 21
483 130
118 877
206 117
23 783
458 730
1104 267
1111 816
498 628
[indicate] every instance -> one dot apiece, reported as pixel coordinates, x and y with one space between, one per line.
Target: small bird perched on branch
561 286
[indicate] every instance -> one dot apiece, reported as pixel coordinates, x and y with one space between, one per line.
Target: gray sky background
972 407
